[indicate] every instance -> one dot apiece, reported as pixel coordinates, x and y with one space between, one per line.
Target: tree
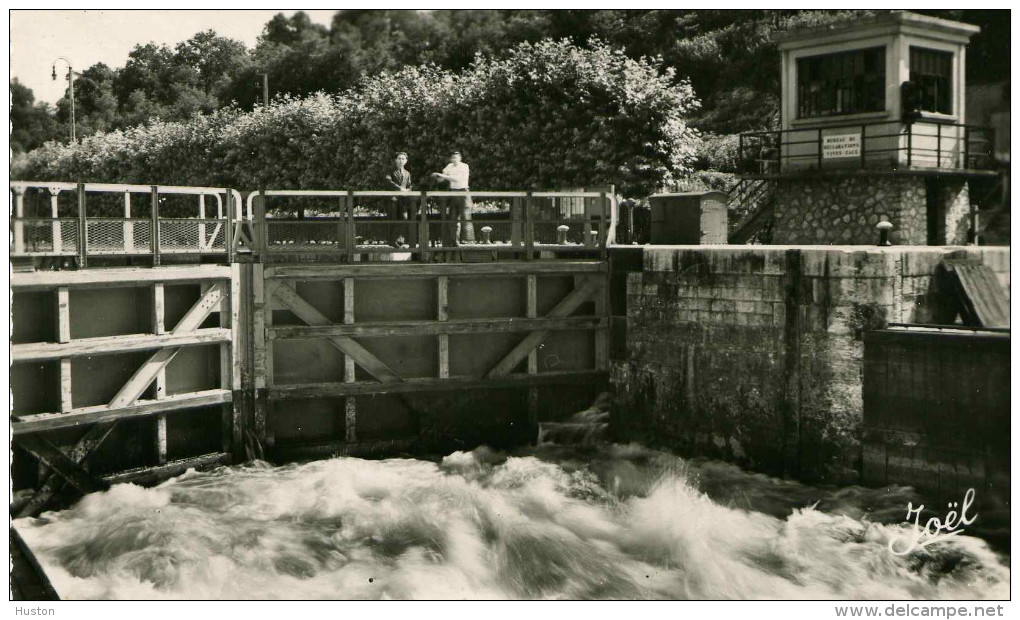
32 123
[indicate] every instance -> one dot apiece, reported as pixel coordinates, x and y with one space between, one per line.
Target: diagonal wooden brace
565 308
145 375
61 464
310 315
78 454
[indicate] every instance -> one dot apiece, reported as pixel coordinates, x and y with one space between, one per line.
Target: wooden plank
63 315
37 422
350 374
978 290
443 315
338 389
564 308
106 345
61 464
260 309
434 328
154 475
116 277
602 333
159 327
309 314
144 376
531 303
28 579
431 270
66 399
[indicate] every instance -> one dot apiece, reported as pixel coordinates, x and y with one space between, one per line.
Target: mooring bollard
561 234
487 235
594 238
883 232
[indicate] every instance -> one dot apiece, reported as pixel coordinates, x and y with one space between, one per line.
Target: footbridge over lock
159 328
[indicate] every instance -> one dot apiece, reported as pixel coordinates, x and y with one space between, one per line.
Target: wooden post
602 333
443 314
154 194
201 222
352 240
83 233
262 222
515 222
260 307
228 229
64 335
129 226
531 309
350 402
966 146
230 369
56 226
19 225
159 327
423 228
529 228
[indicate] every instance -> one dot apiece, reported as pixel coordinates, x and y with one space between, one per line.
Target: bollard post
83 232
487 235
883 232
561 234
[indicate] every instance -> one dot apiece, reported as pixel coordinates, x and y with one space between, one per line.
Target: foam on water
606 522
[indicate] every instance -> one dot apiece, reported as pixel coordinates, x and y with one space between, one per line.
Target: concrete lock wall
845 209
755 354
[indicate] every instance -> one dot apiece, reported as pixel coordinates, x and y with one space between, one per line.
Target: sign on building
842 145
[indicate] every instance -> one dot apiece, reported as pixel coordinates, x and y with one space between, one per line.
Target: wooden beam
116 277
37 422
61 464
159 328
350 375
567 305
148 371
443 315
531 395
79 454
154 475
434 328
106 345
338 389
63 336
309 314
432 270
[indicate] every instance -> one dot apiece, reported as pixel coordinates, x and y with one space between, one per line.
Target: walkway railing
889 144
349 223
82 220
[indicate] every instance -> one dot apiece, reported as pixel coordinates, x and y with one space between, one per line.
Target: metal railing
349 223
104 220
887 144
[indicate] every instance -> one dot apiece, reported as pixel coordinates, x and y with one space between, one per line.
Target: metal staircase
752 206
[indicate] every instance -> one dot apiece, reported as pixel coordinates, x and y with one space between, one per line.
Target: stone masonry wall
845 209
754 354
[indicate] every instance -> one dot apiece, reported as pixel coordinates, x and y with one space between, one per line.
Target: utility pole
70 88
265 90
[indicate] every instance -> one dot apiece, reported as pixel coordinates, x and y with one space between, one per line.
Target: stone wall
844 209
754 354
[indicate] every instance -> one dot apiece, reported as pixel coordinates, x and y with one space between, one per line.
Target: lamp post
70 88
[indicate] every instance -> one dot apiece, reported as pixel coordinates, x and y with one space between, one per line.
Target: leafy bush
545 115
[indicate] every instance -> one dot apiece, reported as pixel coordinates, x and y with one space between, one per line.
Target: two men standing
457 175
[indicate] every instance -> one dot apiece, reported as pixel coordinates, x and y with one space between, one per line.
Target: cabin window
841 83
931 72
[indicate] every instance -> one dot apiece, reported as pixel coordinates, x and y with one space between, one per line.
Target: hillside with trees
728 57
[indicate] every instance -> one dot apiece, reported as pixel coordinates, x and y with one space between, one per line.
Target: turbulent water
605 522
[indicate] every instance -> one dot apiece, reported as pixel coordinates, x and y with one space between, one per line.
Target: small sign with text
842 145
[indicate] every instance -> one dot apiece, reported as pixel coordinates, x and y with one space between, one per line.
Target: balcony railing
359 223
78 221
889 145
82 220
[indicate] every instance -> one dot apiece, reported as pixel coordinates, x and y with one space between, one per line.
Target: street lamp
70 87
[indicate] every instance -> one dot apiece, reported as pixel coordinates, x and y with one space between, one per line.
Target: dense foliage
544 115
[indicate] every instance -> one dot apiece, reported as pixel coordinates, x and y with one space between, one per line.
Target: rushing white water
608 522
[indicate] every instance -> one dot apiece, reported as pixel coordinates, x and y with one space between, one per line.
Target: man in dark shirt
402 208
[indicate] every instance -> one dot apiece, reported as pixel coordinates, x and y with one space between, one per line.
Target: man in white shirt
458 174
